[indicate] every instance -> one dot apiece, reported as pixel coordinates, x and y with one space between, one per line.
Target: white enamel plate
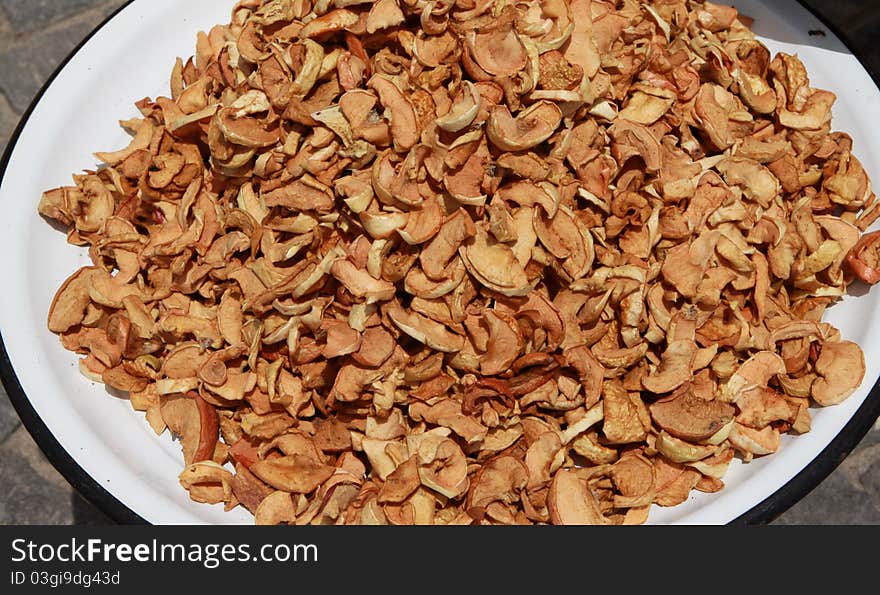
107 450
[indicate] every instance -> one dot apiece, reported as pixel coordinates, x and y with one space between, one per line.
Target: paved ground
35 35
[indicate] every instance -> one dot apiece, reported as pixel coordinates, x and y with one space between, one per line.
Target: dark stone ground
36 35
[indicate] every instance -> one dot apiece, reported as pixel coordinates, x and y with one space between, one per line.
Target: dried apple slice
422 329
494 265
571 502
529 128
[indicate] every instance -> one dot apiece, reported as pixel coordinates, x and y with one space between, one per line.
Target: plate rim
805 481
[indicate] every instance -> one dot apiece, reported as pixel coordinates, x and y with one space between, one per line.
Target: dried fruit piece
463 111
494 265
689 417
529 128
298 474
864 258
71 301
571 502
424 330
404 126
841 368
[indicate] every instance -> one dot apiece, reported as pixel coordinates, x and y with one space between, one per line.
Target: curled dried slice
645 108
443 467
529 194
351 381
504 343
401 483
436 255
208 482
143 136
498 51
404 125
689 417
499 480
571 502
755 372
301 195
841 368
244 131
296 473
360 283
543 458
384 14
208 428
622 415
71 300
494 265
463 111
448 413
335 20
529 128
195 421
422 329
679 451
377 345
633 139
864 258
567 240
675 367
581 48
754 442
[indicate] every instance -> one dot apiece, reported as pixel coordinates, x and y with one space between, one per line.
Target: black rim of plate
764 512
